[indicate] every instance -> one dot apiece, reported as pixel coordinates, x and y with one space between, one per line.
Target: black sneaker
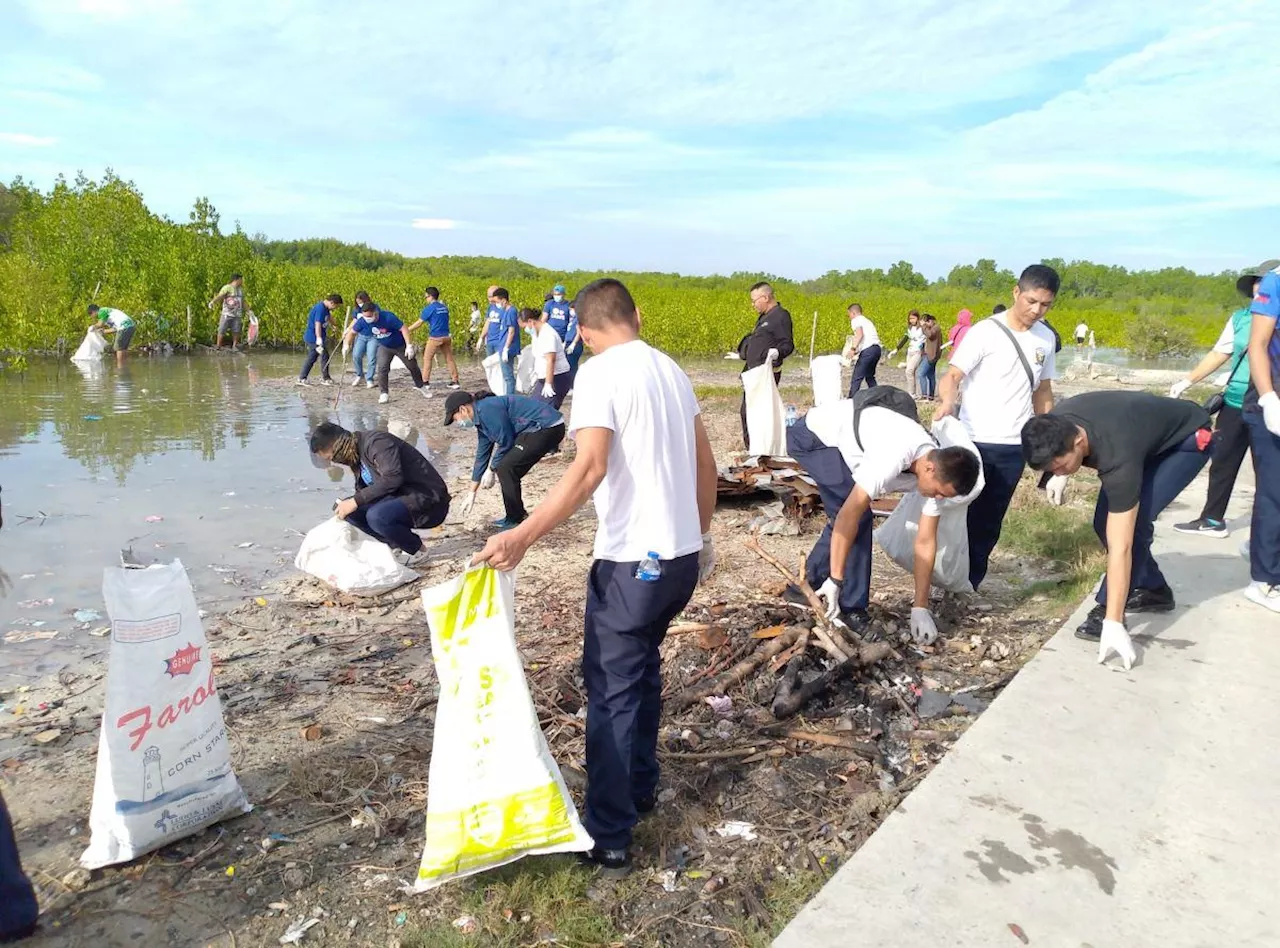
1091 627
1205 528
1150 600
856 621
645 805
793 595
614 863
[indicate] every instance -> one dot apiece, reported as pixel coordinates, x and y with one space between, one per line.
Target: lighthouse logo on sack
183 660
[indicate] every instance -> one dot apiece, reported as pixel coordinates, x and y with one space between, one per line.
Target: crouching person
857 450
397 489
1146 450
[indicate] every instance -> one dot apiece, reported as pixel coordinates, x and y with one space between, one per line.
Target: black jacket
773 331
398 470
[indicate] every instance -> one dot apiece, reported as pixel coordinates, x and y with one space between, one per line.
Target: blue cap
558 288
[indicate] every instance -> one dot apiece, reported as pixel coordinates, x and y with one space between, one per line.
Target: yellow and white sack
495 793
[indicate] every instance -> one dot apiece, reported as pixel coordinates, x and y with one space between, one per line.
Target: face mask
370 319
465 423
559 297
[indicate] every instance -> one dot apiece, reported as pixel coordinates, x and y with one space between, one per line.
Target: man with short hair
435 316
231 296
316 337
508 336
1262 414
397 489
1005 369
114 321
770 341
393 342
856 456
1146 450
644 457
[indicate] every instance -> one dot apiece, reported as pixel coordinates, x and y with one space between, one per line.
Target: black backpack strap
1022 357
857 419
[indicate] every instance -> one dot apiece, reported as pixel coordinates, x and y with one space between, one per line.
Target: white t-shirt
893 442
915 339
1226 343
648 499
1081 331
995 400
546 342
869 335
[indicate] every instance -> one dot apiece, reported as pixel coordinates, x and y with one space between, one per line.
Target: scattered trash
401 917
92 417
711 886
295 931
100 632
666 796
76 879
668 881
154 518
312 732
271 840
29 635
466 924
932 703
737 829
229 493
1019 933
712 637
87 615
245 545
231 872
34 603
45 737
278 906
260 601
720 704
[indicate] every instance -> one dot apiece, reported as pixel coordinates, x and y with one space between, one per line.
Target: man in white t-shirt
644 457
999 378
1082 333
855 457
550 364
864 345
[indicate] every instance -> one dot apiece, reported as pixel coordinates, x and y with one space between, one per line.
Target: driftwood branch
822 629
738 673
796 698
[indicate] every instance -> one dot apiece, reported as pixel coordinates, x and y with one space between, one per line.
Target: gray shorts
123 338
229 324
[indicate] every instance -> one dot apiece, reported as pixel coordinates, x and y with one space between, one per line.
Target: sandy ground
361 670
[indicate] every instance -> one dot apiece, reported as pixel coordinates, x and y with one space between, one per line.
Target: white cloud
25 140
433 223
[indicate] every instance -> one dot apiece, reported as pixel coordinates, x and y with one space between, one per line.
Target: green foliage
95 241
1150 335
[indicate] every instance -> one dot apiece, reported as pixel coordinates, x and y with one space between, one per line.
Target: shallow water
212 444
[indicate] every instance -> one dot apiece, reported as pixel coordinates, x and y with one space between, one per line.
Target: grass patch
524 904
784 897
1062 535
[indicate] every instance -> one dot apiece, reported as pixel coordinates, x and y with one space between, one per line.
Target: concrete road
1092 807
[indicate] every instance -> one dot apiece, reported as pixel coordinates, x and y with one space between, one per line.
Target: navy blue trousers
865 369
1164 477
1002 466
389 520
626 621
1264 533
18 908
835 482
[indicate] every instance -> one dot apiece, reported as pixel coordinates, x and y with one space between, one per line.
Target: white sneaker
369 384
326 382
1266 596
426 391
303 382
356 381
383 398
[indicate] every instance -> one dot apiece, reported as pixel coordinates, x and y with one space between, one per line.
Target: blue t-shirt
510 319
386 329
1266 303
316 321
362 328
436 316
493 326
557 316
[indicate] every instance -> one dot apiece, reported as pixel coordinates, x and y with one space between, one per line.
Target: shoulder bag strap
1022 357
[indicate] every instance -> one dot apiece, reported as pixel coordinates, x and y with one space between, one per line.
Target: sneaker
1091 627
356 381
426 391
369 384
455 385
855 621
383 398
1264 595
417 560
645 805
794 596
1150 600
326 382
302 382
506 523
614 863
1205 527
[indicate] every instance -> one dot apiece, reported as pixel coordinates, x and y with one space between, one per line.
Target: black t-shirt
1126 429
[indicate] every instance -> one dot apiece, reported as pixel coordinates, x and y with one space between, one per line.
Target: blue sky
699 135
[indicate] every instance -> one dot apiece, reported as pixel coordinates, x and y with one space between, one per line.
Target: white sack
164 761
897 535
766 418
91 348
493 374
825 371
524 370
347 559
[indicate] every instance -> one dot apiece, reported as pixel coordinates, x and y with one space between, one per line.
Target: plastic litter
87 615
154 518
91 348
294 933
737 829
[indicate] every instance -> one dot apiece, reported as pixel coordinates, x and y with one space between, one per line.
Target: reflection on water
91 455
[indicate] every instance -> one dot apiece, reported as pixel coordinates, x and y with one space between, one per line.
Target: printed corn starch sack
164 764
494 792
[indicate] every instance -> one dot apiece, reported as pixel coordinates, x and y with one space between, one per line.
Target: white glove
1270 405
319 348
467 503
829 593
410 351
548 390
488 479
1056 489
1116 639
1178 387
346 349
846 363
923 629
706 559
506 355
732 355
893 353
771 356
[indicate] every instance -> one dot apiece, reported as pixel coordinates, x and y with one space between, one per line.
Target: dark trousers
389 520
574 358
1264 536
385 355
927 377
530 448
626 621
746 442
18 909
1002 466
1164 477
865 369
560 385
835 482
309 362
1229 448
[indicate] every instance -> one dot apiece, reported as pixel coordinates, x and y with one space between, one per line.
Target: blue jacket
500 420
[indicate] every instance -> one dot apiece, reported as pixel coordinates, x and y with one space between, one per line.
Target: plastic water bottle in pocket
650 569
791 415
